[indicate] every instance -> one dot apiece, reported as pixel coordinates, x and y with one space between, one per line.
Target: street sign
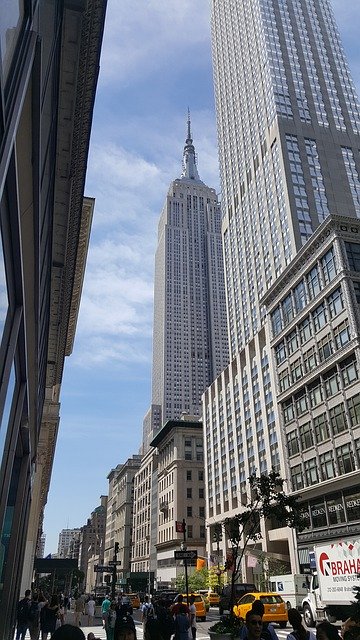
114 562
100 568
185 555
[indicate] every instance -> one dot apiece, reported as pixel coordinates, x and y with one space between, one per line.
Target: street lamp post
185 561
114 571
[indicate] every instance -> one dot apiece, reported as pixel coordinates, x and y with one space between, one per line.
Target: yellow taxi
199 605
274 605
204 594
214 599
134 600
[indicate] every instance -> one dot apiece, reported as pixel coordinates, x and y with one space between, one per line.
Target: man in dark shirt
22 617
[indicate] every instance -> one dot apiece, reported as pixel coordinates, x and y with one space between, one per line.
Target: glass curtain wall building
49 61
288 127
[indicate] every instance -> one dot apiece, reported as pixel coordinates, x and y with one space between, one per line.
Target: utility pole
114 571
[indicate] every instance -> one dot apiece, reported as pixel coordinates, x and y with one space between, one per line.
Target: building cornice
334 225
172 425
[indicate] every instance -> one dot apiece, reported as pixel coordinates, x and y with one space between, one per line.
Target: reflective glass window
335 509
318 514
352 504
11 18
300 296
321 428
328 266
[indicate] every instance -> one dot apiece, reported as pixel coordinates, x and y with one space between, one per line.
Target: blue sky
156 61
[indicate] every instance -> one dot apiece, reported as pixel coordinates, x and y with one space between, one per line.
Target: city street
202 627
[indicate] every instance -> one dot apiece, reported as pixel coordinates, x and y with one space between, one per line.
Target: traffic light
217 534
116 548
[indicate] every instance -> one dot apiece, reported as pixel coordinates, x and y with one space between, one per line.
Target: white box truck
331 586
292 588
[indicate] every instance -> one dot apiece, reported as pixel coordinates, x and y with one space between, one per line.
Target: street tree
268 501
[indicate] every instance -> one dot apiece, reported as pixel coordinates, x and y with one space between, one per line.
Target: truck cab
312 605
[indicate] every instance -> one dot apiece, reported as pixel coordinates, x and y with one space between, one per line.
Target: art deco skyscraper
190 345
288 123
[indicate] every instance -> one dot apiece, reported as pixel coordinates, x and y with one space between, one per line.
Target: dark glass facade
35 40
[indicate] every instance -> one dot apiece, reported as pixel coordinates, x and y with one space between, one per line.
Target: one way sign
185 555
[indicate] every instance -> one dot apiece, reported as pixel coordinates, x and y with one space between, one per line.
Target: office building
190 345
92 537
189 334
66 537
316 348
288 128
181 495
49 53
119 514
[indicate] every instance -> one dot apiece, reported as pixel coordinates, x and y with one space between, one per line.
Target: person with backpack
22 616
165 619
299 632
147 613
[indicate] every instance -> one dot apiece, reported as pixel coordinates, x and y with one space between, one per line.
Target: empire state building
190 345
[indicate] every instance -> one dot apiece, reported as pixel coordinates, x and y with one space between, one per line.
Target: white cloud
116 314
141 37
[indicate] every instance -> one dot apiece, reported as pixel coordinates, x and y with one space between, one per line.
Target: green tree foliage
197 580
215 581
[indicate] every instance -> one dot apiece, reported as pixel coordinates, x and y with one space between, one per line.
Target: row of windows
342 460
315 321
323 387
307 289
315 355
323 427
333 509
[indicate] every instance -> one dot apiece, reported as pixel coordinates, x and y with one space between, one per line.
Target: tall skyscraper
288 122
190 345
288 126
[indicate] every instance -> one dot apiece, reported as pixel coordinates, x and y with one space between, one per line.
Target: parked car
240 589
167 595
213 598
199 605
204 593
275 607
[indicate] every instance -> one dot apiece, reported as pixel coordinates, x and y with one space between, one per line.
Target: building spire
189 171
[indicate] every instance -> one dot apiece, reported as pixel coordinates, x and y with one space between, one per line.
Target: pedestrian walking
110 621
192 616
105 608
147 612
22 616
49 615
299 632
79 609
182 624
34 617
91 611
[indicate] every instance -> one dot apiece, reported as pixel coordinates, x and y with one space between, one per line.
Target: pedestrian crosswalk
202 631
